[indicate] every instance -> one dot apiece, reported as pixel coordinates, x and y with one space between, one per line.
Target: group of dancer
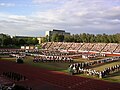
96 73
14 76
52 59
84 67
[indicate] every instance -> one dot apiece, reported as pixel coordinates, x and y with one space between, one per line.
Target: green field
62 67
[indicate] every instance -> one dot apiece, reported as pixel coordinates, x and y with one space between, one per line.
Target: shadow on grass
101 64
115 74
114 77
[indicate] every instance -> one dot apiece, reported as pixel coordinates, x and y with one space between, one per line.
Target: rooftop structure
55 31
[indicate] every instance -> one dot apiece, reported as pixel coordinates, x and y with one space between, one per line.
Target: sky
34 17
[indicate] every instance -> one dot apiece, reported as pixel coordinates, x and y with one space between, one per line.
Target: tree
15 41
54 37
22 42
35 41
84 37
5 40
60 38
92 38
44 39
29 41
57 38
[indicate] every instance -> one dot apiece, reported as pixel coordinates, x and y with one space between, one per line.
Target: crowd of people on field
18 55
11 51
96 73
53 53
14 76
109 70
91 72
95 62
52 59
14 87
83 67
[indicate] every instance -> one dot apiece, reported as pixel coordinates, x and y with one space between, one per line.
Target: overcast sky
34 17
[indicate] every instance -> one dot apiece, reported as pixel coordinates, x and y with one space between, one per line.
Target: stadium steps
81 46
43 45
70 46
116 48
92 46
104 47
49 45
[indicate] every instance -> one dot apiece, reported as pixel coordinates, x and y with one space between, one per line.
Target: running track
40 79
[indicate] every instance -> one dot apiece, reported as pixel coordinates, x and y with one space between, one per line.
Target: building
23 37
28 47
40 39
54 31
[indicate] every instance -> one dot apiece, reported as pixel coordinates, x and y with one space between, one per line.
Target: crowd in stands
47 45
65 45
55 46
76 46
117 50
110 47
82 67
14 76
99 47
87 46
52 59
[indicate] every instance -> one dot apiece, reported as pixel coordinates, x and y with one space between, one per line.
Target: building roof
58 30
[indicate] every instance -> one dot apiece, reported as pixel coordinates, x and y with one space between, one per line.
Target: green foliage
86 38
19 60
57 38
22 41
45 39
7 41
70 70
39 46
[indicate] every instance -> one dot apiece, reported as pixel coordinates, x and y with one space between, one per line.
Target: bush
70 70
17 87
19 60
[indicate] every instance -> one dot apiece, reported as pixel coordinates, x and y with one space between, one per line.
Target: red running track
40 79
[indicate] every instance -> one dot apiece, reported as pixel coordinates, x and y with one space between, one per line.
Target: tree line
84 37
8 41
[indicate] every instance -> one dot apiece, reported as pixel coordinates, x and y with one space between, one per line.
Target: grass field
62 67
49 66
102 67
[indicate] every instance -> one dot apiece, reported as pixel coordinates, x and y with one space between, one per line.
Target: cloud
45 1
7 4
76 16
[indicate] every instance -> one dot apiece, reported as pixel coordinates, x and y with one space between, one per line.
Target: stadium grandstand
106 48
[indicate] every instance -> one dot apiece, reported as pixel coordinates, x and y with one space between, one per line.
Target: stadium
59 44
61 65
